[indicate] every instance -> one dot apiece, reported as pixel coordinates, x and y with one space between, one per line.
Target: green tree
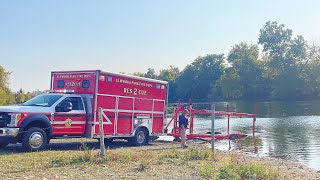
244 78
139 74
171 74
6 97
230 85
4 77
285 55
151 74
310 72
28 96
21 97
198 78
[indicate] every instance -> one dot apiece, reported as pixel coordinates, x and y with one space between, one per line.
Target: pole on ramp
212 126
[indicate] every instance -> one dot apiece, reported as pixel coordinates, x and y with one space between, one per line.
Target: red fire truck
133 108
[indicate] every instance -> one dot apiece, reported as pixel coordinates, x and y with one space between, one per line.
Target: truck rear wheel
140 138
2 145
34 139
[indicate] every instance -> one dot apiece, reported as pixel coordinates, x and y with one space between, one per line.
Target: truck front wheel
2 145
34 139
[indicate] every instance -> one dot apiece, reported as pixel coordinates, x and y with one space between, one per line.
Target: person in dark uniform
183 124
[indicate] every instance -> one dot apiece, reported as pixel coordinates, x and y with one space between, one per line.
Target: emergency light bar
61 91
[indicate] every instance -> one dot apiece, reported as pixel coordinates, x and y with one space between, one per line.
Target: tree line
6 95
280 66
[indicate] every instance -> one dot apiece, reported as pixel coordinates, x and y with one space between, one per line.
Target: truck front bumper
9 135
9 132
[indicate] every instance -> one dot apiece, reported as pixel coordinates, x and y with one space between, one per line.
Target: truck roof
114 73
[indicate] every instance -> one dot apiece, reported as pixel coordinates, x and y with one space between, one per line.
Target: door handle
52 117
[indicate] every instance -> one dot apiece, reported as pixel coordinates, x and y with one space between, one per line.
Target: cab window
75 101
44 100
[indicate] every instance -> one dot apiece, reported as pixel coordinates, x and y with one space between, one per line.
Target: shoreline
288 169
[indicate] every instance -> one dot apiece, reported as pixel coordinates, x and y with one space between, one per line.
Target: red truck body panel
73 81
127 102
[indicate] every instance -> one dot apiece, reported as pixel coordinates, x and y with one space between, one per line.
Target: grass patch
231 167
254 170
194 162
207 170
197 153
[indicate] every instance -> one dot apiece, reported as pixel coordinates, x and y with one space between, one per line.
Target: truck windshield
44 100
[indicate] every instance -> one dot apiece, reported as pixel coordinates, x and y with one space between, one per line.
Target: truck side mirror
64 107
67 106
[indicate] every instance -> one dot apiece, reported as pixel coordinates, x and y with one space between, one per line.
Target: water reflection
289 130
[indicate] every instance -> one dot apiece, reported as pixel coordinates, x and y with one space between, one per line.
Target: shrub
197 153
226 173
87 155
207 171
255 170
144 164
172 153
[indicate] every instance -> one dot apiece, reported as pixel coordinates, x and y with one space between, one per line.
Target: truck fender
40 120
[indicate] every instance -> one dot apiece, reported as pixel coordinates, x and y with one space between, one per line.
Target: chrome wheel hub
141 137
36 140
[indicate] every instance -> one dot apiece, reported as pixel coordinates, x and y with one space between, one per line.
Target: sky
37 37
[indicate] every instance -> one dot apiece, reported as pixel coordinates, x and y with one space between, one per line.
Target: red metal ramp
192 112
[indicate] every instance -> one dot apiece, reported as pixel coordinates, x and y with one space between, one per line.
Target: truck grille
4 119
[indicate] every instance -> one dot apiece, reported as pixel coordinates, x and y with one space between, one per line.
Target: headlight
15 117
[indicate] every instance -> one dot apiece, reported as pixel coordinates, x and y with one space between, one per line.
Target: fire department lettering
133 82
67 76
134 91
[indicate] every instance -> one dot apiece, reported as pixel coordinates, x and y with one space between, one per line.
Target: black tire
233 137
2 145
140 138
34 139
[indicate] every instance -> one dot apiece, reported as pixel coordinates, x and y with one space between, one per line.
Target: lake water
288 130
